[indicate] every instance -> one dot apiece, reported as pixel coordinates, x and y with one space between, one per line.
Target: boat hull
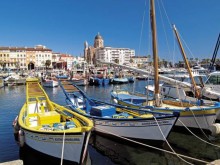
52 144
138 129
193 119
120 81
50 84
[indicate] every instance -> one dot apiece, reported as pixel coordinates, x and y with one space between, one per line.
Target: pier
14 162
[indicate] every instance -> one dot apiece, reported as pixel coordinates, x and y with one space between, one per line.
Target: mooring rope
191 158
85 149
198 124
169 143
196 135
192 113
61 161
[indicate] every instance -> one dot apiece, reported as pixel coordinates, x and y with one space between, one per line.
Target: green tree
47 63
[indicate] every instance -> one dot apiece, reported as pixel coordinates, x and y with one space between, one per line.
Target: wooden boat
133 97
198 115
114 120
192 115
51 129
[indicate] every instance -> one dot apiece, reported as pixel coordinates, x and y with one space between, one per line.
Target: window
215 80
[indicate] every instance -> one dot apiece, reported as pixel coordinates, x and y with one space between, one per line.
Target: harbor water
104 150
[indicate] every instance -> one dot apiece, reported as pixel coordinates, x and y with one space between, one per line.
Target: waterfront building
67 61
24 58
108 54
28 58
37 56
140 61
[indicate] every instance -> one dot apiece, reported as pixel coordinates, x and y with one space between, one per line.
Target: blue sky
64 25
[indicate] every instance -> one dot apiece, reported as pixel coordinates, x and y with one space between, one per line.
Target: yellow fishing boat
50 128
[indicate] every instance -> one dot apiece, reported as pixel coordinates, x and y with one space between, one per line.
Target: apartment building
119 55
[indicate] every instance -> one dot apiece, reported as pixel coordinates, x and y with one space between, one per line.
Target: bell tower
98 43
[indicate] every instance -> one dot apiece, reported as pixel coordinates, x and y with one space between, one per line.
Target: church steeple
98 41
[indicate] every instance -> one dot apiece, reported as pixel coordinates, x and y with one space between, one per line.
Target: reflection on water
122 152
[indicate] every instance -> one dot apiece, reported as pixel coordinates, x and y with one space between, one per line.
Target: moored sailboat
198 115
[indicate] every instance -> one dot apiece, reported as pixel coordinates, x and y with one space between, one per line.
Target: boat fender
21 138
16 128
115 101
15 125
215 129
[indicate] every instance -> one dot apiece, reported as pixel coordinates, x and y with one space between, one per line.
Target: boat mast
197 93
155 54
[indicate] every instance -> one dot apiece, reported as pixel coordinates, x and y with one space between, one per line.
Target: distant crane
211 66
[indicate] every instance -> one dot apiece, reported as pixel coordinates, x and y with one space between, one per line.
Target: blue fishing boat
116 120
105 81
95 81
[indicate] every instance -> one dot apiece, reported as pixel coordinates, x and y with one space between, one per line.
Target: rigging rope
164 29
142 26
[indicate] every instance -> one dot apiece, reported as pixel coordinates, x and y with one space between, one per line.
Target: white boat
50 83
182 93
119 80
51 129
14 80
80 81
211 88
